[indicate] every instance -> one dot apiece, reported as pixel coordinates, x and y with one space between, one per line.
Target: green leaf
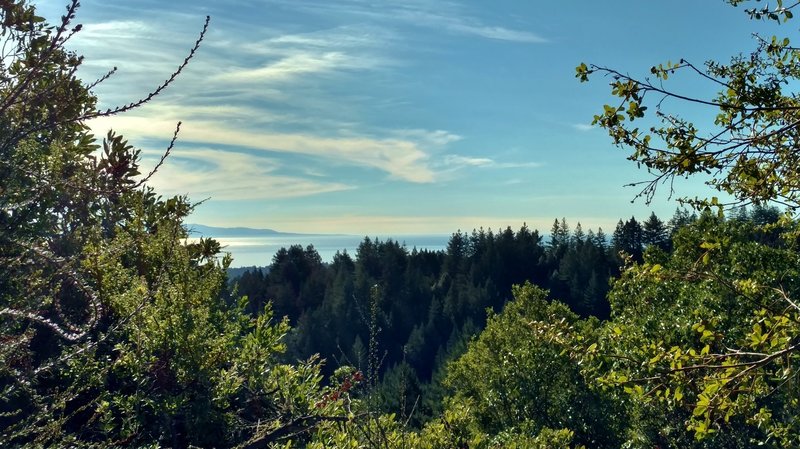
678 393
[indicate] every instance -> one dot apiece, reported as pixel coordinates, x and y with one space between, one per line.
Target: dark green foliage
519 375
694 334
629 238
429 303
296 281
655 233
115 330
698 353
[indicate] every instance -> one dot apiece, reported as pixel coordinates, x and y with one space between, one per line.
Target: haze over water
258 251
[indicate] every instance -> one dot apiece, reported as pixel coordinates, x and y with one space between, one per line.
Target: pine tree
654 232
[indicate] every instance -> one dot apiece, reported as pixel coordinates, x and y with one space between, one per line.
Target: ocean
258 251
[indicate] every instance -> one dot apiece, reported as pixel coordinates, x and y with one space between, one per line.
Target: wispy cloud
401 159
276 90
355 38
466 25
455 161
226 175
128 29
438 138
247 104
498 33
443 16
294 66
460 161
583 127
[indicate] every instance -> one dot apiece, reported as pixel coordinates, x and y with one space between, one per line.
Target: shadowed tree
115 330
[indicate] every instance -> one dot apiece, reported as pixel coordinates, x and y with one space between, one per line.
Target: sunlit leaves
779 13
712 332
748 153
526 368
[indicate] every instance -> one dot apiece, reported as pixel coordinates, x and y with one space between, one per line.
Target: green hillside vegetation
117 331
429 304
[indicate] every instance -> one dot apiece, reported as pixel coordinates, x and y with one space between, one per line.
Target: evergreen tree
680 218
654 232
600 240
763 215
628 238
296 280
578 237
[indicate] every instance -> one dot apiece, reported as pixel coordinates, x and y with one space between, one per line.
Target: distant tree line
430 303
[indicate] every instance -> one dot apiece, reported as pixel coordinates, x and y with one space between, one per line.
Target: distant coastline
256 247
215 231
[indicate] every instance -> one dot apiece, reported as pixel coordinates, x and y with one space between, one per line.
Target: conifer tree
654 232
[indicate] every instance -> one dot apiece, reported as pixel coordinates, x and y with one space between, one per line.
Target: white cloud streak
499 33
401 159
455 161
583 127
226 175
436 15
294 66
468 26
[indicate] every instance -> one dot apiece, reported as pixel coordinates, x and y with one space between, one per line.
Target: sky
393 116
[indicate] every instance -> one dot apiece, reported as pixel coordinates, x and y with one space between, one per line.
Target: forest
429 304
119 331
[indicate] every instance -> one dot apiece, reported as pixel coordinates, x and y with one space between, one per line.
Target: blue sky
380 117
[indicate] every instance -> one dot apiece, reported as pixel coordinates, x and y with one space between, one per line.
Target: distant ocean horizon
258 251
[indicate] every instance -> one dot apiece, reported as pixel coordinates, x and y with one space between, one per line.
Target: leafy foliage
709 333
115 329
748 152
711 330
521 377
118 331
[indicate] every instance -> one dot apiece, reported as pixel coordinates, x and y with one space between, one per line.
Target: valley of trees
429 304
115 331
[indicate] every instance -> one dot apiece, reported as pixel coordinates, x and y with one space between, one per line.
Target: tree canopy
748 152
710 331
116 330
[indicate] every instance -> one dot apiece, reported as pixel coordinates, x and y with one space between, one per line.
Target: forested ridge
116 330
431 303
